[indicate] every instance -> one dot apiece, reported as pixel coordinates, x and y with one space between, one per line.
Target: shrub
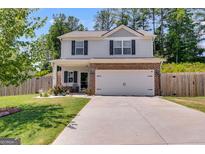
45 94
50 91
60 90
183 67
88 91
42 73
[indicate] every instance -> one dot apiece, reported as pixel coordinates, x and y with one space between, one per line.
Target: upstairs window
117 47
122 47
127 47
79 48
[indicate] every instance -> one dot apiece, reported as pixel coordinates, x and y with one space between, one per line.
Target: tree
154 14
199 18
104 20
122 16
17 31
143 22
160 31
61 25
181 38
42 53
134 18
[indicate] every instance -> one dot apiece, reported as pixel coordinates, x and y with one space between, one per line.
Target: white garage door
124 82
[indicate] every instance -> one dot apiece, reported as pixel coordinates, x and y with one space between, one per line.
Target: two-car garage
125 82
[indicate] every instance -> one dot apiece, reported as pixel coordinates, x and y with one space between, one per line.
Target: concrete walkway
134 120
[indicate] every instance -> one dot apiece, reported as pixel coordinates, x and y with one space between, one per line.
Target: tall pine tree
104 20
181 39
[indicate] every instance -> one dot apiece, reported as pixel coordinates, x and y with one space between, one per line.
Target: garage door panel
125 82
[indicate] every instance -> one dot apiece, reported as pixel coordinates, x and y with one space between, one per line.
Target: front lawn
41 120
197 103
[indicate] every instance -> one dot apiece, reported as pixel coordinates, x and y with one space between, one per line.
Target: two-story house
115 62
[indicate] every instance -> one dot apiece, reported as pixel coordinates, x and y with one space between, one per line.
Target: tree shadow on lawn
32 119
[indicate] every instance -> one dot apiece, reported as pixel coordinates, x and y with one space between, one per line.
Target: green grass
183 67
197 103
41 120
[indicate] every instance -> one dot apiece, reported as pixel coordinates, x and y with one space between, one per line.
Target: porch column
54 67
92 78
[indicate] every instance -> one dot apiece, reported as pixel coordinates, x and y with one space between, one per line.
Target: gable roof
125 28
94 34
77 34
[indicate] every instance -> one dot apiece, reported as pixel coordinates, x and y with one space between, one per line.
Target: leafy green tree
160 31
122 16
41 51
154 15
143 22
17 31
181 38
199 19
134 18
62 25
104 20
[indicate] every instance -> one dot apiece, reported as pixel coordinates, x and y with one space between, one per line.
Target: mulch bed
8 111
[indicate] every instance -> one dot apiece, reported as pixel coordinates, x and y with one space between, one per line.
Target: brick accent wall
125 66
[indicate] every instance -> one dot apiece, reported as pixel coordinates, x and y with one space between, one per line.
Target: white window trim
117 48
80 47
122 47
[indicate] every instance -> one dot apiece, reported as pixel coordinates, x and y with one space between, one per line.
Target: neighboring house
115 62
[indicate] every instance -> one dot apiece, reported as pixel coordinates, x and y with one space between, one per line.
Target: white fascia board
126 38
82 38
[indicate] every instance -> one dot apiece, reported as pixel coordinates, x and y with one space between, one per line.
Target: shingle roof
83 34
94 34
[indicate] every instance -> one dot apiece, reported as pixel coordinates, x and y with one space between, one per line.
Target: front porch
74 74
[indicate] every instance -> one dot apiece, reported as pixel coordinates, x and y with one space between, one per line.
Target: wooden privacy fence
183 84
172 84
30 86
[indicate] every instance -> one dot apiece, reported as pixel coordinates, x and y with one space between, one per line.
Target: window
126 47
117 47
79 47
122 47
70 76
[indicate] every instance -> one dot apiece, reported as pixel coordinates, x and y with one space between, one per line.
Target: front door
83 80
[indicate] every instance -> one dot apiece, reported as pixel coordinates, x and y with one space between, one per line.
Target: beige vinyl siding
144 48
65 49
100 49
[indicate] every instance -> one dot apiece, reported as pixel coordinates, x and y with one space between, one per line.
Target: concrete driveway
134 120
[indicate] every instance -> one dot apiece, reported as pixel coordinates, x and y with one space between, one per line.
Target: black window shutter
65 76
75 76
111 47
73 48
85 47
133 47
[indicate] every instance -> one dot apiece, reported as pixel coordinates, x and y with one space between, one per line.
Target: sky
86 17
